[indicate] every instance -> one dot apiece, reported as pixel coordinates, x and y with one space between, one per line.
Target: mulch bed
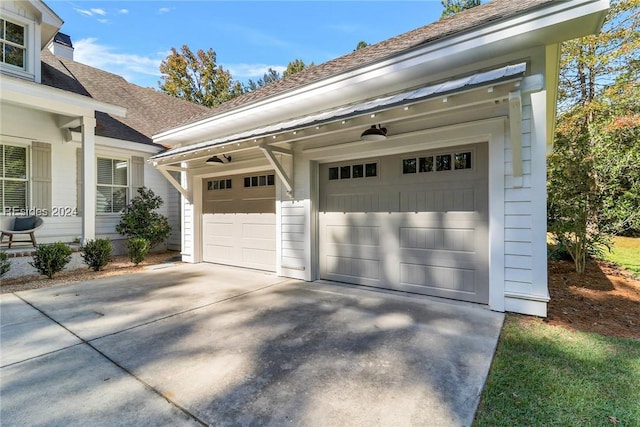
118 265
605 300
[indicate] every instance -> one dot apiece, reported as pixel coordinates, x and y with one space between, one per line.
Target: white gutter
45 98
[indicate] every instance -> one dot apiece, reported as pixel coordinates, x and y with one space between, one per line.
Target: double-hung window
14 178
14 43
113 185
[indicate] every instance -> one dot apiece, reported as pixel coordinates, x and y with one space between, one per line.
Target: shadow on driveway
231 347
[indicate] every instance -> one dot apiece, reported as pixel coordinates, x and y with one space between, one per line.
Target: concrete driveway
213 345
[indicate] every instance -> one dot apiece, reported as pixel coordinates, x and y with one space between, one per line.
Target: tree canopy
197 78
272 75
451 7
594 178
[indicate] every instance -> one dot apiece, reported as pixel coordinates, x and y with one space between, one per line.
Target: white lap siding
525 219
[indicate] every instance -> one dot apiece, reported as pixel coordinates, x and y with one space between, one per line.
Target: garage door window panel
353 171
463 160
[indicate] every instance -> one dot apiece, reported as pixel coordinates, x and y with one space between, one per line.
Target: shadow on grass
545 375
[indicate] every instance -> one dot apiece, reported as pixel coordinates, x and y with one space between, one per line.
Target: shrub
138 249
5 265
52 258
97 253
141 220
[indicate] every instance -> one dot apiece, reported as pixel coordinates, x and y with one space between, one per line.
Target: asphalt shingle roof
464 21
148 111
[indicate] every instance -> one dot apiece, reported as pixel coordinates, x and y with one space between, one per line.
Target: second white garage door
416 222
239 221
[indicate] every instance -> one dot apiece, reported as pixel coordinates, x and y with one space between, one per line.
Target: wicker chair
10 225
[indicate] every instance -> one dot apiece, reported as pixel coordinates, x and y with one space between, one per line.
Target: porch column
88 178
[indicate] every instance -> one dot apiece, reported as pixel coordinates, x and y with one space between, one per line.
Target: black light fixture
216 159
374 134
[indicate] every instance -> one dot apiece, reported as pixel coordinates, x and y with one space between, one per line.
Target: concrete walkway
213 345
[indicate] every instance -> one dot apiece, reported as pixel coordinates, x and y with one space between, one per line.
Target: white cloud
100 12
138 69
164 10
123 11
103 21
251 71
84 12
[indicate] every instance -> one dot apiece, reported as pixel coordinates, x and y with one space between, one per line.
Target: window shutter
41 175
105 171
137 174
79 186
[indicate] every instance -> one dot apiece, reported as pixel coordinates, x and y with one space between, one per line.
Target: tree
593 180
140 218
451 7
295 67
361 44
272 75
197 78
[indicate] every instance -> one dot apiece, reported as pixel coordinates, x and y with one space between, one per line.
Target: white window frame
31 57
27 179
127 187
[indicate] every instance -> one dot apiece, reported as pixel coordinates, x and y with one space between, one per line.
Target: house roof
467 20
148 111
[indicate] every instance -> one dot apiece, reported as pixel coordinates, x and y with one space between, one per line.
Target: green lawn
548 376
626 253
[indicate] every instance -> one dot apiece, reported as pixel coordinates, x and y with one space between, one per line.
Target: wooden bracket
275 163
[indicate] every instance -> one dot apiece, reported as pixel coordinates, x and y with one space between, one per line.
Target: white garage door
416 222
239 221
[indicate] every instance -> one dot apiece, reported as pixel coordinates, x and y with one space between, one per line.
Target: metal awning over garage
505 84
474 81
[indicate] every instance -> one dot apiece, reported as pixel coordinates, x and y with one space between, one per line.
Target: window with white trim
360 170
259 181
219 184
113 185
438 163
14 44
14 178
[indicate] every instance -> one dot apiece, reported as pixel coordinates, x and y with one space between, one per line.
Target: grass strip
549 376
626 253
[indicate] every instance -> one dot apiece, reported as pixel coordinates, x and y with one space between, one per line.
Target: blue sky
131 38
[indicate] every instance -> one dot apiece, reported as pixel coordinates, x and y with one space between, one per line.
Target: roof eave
45 98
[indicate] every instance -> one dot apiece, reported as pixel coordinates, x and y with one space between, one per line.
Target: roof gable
148 111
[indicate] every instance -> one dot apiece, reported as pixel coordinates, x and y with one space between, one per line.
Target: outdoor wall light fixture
374 134
216 159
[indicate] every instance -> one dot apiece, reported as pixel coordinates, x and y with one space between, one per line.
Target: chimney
62 46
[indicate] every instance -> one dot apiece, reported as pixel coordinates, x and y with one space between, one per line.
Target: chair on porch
10 225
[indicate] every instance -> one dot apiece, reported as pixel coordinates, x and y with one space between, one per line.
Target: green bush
138 249
52 258
141 220
97 253
5 265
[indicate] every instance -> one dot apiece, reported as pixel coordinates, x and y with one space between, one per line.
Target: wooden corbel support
515 127
268 152
186 193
